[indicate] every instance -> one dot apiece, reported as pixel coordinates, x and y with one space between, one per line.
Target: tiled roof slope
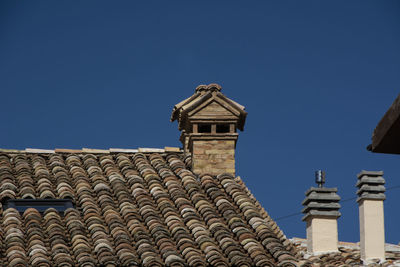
132 209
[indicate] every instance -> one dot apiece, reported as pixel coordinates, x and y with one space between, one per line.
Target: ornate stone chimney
208 121
371 194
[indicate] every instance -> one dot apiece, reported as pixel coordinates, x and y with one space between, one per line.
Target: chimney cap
220 108
370 185
321 202
210 87
369 173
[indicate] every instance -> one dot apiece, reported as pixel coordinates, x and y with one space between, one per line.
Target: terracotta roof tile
66 150
172 149
36 150
92 150
146 149
132 209
123 150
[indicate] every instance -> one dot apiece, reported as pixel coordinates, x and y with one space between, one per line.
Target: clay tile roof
132 209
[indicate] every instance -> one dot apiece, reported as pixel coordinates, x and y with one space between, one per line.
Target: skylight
39 204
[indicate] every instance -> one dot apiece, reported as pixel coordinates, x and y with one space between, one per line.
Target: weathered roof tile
132 209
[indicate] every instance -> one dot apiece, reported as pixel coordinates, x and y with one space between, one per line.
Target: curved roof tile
133 209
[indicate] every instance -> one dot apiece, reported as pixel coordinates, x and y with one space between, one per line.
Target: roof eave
386 136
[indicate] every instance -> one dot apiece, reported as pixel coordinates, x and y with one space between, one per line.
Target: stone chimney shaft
208 121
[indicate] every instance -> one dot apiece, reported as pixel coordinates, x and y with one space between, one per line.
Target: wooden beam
386 136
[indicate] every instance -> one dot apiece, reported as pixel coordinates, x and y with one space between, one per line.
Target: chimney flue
321 209
372 230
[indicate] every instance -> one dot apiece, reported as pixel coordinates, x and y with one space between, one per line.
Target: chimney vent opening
208 121
223 128
204 128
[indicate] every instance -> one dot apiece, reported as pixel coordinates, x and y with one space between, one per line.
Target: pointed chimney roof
204 95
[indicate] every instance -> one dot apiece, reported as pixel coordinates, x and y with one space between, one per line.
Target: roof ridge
92 150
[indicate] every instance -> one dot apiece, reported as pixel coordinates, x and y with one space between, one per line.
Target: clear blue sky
315 77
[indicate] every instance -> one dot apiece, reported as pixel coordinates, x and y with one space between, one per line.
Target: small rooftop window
39 204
